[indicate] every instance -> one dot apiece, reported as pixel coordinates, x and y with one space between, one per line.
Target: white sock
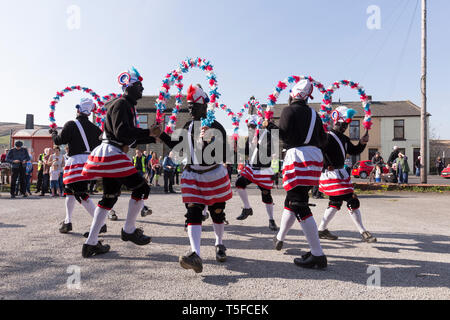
195 237
219 229
89 206
269 209
244 197
356 217
327 217
309 228
134 207
70 205
287 221
97 223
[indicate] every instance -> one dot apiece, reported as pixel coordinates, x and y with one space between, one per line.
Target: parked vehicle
362 169
446 173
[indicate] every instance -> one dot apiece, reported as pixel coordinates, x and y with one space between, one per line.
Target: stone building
146 111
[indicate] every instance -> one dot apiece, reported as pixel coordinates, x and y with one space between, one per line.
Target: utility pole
423 114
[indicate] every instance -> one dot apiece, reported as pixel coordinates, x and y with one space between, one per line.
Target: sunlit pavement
411 259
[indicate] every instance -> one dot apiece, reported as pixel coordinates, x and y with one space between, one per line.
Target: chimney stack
29 123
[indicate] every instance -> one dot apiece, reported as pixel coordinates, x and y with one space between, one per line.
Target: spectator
3 156
391 176
402 168
169 169
56 162
54 178
348 165
240 168
378 173
316 194
92 186
153 162
59 159
46 171
66 153
29 174
177 172
140 162
394 169
275 168
393 156
417 166
5 168
377 159
18 158
40 175
158 171
148 159
229 170
439 165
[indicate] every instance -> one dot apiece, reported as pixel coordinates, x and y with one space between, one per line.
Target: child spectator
54 179
377 173
28 175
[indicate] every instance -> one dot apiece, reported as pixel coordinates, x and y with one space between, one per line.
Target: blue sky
252 45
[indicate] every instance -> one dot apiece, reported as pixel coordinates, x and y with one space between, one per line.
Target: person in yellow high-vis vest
40 170
275 168
140 163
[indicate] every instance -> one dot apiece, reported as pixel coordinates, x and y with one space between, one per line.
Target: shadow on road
2 225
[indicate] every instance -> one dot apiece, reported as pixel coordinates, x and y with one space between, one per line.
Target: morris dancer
204 181
302 132
81 136
335 180
257 171
111 162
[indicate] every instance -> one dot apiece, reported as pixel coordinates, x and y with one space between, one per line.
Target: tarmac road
412 255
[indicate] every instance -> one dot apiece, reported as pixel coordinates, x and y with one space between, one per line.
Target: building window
399 129
143 121
354 130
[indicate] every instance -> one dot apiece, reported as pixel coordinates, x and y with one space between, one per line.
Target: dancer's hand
155 130
203 131
365 138
52 131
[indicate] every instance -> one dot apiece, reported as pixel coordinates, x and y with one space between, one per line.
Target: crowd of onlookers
16 167
397 168
17 170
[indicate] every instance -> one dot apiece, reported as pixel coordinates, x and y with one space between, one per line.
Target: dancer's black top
120 123
333 155
207 156
71 135
294 126
263 157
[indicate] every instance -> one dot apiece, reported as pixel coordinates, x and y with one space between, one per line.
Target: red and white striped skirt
107 161
73 168
206 188
302 166
335 183
262 177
